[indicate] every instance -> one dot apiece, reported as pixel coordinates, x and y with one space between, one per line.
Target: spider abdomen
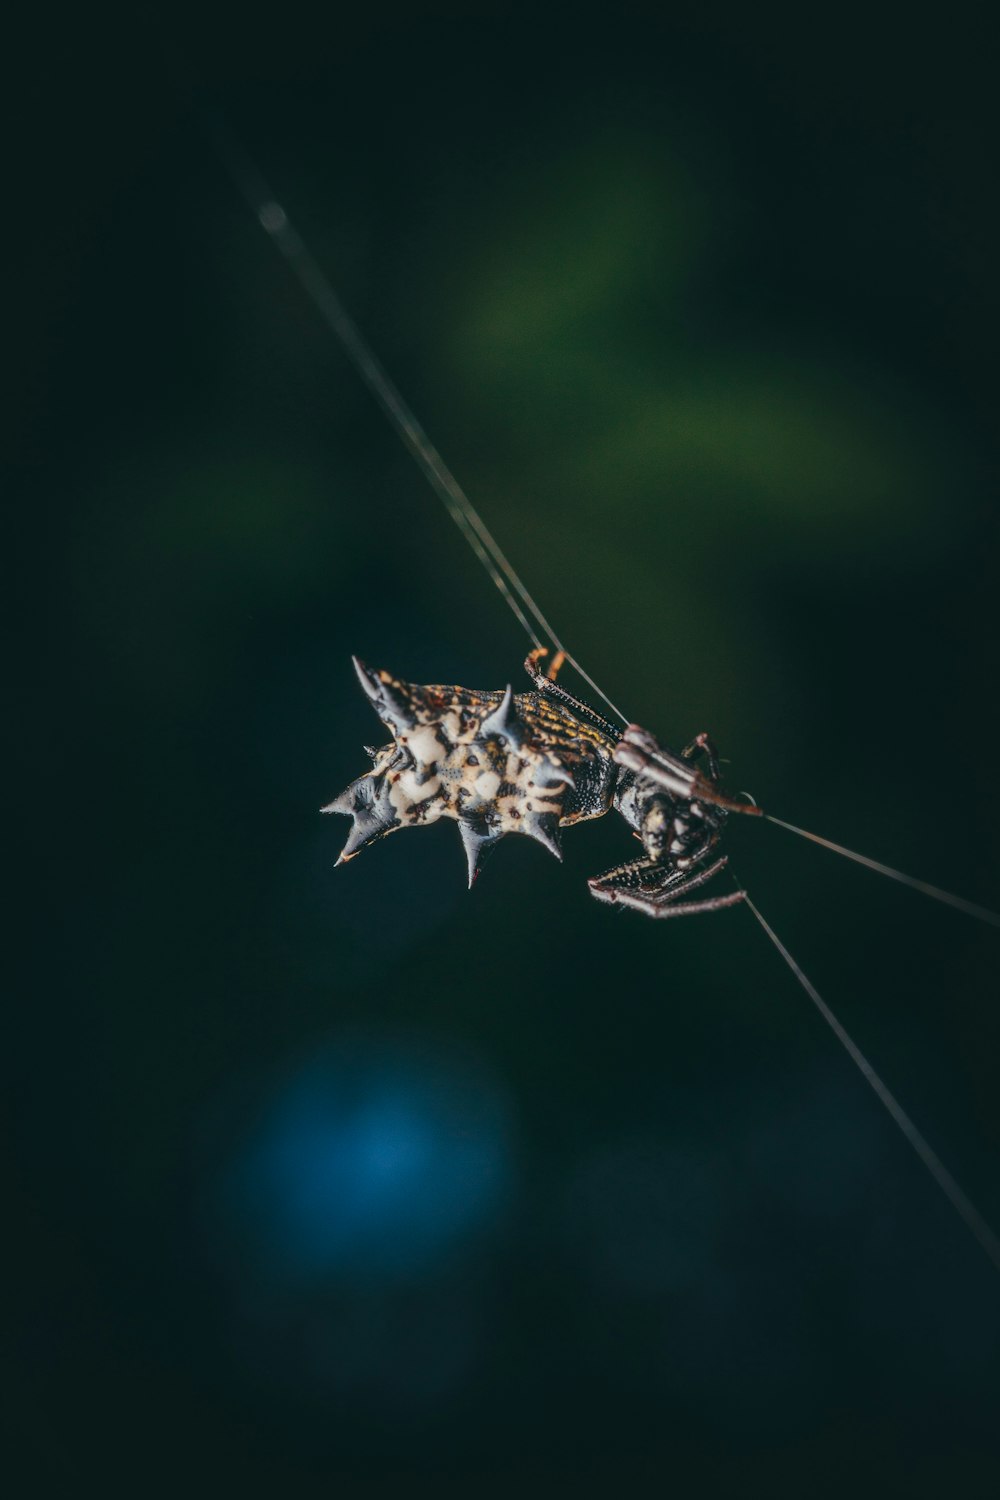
494 762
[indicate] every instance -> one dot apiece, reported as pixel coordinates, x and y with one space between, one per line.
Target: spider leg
652 877
552 670
664 903
612 884
702 744
689 908
641 752
654 888
546 685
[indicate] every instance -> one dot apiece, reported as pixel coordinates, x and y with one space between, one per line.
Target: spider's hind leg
553 669
548 688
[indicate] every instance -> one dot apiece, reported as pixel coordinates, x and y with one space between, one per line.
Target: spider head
669 802
670 827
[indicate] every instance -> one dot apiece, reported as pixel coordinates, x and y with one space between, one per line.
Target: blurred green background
342 1181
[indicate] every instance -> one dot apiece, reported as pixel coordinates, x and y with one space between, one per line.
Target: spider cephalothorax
533 763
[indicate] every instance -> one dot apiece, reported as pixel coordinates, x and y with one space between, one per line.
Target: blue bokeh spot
372 1161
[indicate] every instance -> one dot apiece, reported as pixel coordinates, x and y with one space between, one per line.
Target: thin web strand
275 222
970 908
962 1205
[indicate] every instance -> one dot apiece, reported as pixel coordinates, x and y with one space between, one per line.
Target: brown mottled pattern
494 763
553 736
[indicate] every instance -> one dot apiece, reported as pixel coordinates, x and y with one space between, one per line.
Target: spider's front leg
641 752
655 889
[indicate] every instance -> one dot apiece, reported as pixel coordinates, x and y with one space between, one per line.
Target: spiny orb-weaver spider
535 762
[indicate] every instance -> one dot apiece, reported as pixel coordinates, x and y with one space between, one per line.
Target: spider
532 763
536 762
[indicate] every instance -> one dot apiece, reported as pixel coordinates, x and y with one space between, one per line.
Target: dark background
336 1182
